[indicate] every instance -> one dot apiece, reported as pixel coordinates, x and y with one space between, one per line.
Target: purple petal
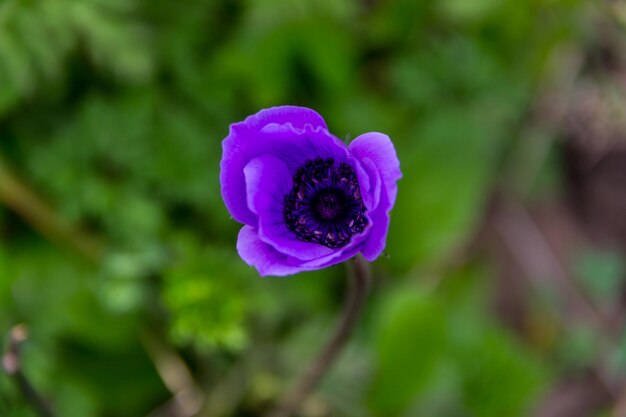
273 231
369 182
262 256
293 134
378 148
338 255
267 182
296 146
345 255
269 262
377 238
297 116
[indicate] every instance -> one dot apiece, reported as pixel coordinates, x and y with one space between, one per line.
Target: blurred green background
501 292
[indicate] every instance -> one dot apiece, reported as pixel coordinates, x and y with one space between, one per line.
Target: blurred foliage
113 112
208 298
426 340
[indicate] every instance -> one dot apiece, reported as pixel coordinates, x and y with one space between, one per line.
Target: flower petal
377 238
339 255
369 181
345 255
378 148
297 116
267 183
262 256
296 146
293 134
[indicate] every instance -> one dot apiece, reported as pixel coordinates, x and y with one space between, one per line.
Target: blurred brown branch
187 398
541 265
16 195
537 258
12 365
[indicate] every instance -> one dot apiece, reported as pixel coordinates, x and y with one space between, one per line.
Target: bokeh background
501 292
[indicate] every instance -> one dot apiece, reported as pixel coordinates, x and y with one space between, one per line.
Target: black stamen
325 206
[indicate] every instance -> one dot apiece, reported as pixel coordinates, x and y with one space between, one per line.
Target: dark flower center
325 206
329 205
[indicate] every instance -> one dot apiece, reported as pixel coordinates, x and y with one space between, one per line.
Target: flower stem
360 279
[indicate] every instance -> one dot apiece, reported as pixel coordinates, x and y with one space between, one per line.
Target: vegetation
505 260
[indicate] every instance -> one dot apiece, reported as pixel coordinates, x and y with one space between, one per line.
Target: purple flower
307 200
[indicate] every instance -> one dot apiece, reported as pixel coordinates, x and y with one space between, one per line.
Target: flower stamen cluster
325 205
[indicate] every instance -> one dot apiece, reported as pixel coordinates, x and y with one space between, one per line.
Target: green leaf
499 377
444 344
446 179
411 343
